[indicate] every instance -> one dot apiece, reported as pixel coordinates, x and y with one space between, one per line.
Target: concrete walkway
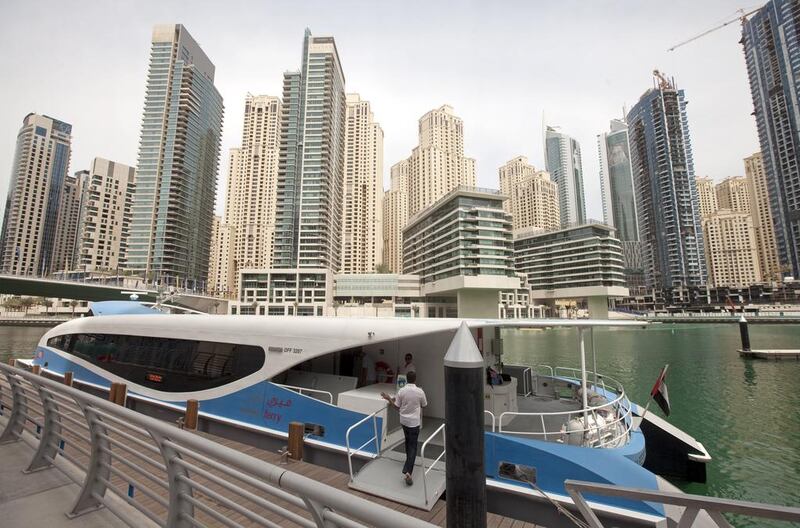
41 498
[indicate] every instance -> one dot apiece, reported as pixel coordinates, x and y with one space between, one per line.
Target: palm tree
73 303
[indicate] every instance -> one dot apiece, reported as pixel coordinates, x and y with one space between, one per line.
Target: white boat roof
291 340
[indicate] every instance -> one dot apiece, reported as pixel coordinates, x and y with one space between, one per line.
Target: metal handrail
188 461
425 471
614 405
301 389
375 439
490 413
692 504
602 377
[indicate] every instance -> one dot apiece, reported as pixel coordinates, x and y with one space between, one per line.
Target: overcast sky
499 64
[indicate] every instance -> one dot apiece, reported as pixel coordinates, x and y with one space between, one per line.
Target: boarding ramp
382 476
143 471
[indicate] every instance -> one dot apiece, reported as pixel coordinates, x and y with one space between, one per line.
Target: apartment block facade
105 217
173 205
395 217
362 224
771 41
308 209
732 248
706 196
668 205
38 175
533 196
761 211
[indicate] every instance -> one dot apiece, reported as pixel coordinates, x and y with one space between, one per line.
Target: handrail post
97 470
19 413
51 433
179 508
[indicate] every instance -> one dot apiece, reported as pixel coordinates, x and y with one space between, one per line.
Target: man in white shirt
409 400
408 366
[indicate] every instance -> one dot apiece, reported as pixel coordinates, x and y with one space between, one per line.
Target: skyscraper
221 273
732 249
772 52
106 217
308 211
762 217
74 198
395 217
533 197
362 225
706 196
562 156
252 185
173 206
616 181
39 170
438 165
734 193
664 182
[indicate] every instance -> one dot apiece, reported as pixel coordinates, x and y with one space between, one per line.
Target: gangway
382 476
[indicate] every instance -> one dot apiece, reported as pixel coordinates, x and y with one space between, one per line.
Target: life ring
383 372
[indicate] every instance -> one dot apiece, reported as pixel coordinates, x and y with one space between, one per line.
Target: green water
746 412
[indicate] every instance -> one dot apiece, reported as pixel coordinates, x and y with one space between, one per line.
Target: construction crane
741 18
663 82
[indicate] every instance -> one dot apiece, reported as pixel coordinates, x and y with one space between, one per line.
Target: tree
73 303
12 304
47 303
382 268
26 303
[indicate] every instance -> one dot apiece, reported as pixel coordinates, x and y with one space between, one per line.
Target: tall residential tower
39 173
562 156
308 210
772 52
664 181
362 225
533 197
761 211
173 206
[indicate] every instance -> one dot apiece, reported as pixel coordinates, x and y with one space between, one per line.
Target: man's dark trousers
411 436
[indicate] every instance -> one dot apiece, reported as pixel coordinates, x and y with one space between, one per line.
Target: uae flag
659 392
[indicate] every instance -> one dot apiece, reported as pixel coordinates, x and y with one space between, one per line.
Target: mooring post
36 369
745 333
68 378
190 420
464 377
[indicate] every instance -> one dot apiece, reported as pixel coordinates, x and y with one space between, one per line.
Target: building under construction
664 182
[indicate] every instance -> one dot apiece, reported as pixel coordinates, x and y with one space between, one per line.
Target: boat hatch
383 476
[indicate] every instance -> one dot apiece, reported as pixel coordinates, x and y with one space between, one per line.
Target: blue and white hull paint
254 402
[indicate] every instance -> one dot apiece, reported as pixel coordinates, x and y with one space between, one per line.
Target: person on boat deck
409 400
407 367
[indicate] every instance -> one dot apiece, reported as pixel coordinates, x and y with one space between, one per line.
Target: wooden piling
190 420
68 378
12 362
122 394
112 392
296 431
36 369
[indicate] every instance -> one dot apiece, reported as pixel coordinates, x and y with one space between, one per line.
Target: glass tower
173 205
770 40
666 193
308 211
562 156
616 181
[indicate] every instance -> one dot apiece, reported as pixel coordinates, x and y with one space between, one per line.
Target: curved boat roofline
288 340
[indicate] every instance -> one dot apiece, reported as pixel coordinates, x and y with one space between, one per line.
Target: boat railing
491 415
593 428
142 469
692 504
303 390
425 470
375 438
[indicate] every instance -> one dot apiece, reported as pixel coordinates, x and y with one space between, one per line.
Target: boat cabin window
171 365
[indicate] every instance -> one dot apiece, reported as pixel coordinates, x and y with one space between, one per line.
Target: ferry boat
543 424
